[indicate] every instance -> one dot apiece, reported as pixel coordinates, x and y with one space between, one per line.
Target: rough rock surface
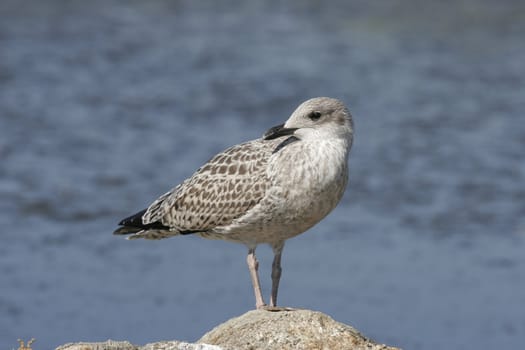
297 329
124 345
107 345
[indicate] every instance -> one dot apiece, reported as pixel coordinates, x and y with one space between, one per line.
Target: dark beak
278 131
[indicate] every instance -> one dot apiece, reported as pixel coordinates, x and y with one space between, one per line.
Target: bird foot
275 308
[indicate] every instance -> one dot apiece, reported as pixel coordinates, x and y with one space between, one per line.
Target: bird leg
253 265
276 272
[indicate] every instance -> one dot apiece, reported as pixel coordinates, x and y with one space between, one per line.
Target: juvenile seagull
262 191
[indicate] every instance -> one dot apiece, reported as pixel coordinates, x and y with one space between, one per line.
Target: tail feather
127 230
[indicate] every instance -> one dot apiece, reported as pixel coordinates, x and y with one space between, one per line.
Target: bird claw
275 308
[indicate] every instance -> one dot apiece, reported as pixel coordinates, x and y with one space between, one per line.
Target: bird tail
127 230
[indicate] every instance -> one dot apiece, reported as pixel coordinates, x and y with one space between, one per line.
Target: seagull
262 191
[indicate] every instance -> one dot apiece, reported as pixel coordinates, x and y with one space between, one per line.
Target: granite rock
260 329
297 329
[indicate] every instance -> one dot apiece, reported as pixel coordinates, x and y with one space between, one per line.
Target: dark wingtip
134 224
133 220
131 224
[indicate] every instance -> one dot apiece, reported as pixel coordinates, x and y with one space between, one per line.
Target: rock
124 345
107 345
176 345
257 329
297 329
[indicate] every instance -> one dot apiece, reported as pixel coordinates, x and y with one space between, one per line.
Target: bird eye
315 115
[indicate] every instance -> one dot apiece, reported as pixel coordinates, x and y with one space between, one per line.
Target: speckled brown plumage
222 190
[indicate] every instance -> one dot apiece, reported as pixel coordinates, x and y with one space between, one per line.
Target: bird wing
223 189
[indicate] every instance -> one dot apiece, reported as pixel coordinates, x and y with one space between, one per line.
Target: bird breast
307 180
311 176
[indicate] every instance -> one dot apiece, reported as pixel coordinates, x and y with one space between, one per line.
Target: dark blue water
104 105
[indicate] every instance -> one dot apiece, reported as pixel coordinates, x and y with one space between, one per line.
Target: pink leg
253 265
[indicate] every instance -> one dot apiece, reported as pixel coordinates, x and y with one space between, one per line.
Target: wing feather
223 189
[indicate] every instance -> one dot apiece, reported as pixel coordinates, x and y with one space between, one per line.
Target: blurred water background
106 104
